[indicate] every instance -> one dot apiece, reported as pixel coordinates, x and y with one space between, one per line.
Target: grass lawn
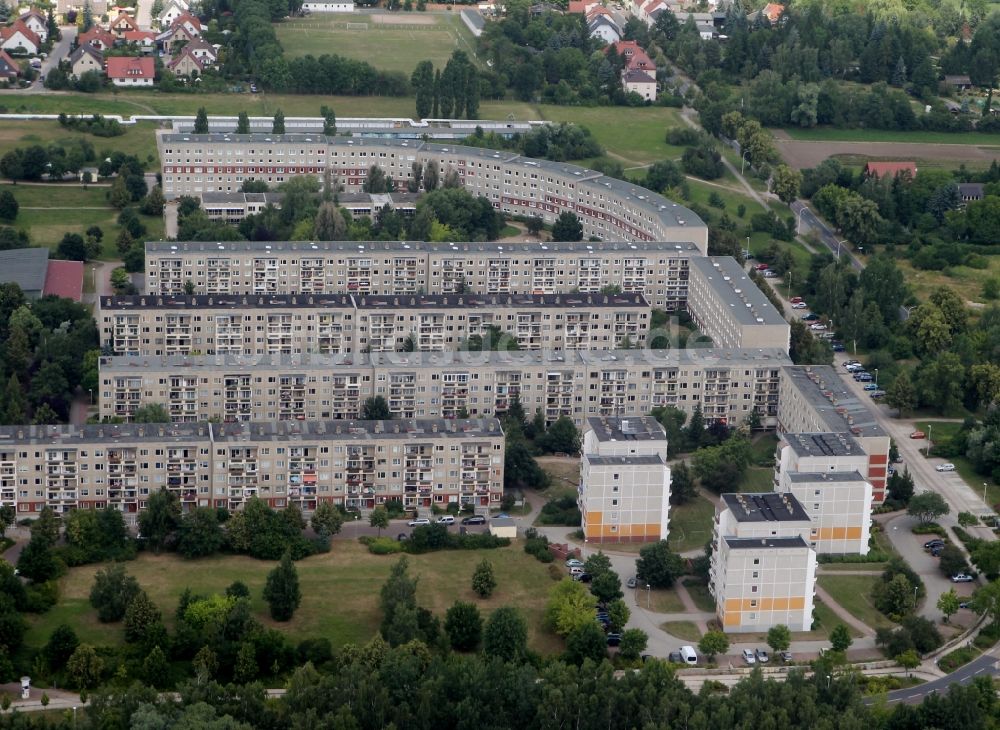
563 471
826 621
687 630
853 593
873 568
138 139
758 479
828 134
967 282
662 600
691 524
699 594
339 591
49 211
763 447
420 37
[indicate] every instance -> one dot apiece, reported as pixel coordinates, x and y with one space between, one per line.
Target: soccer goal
357 26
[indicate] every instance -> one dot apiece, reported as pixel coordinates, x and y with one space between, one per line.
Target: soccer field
388 41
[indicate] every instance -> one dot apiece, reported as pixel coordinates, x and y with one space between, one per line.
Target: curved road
986 664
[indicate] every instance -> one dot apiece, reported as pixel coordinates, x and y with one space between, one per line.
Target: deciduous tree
464 626
484 580
281 591
713 643
506 635
927 506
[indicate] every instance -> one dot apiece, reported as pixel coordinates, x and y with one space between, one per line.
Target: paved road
986 664
59 51
807 220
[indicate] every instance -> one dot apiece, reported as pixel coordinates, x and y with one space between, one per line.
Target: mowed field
388 41
340 591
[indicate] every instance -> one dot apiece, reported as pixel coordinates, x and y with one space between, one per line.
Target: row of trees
455 92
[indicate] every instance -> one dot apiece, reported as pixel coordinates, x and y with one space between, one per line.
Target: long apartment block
815 399
725 384
658 270
609 209
342 324
730 309
357 464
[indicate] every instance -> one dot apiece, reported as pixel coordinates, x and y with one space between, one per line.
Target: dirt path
804 153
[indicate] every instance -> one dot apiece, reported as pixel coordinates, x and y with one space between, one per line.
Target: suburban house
177 33
772 12
641 83
601 25
204 51
123 24
98 7
37 22
98 38
144 40
190 23
131 71
186 63
890 169
172 10
959 82
19 36
9 68
86 58
650 10
969 192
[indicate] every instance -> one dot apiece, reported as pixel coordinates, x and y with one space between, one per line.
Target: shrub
537 545
954 659
384 546
931 528
561 511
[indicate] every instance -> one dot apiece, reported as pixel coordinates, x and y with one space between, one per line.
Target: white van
576 571
446 520
689 655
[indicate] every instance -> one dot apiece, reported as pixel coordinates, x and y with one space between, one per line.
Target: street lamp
648 594
839 242
876 377
789 283
984 495
930 426
91 390
748 246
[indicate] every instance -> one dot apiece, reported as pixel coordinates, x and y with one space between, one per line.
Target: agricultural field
340 591
412 37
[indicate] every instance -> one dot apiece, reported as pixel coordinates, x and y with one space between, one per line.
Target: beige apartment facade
815 399
763 570
656 270
343 324
578 384
356 464
609 209
624 492
730 309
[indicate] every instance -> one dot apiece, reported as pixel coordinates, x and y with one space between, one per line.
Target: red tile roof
137 36
773 11
130 67
187 18
64 279
892 169
96 34
8 66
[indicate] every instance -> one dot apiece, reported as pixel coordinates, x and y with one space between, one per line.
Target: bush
41 596
430 538
954 659
931 528
384 546
561 511
537 545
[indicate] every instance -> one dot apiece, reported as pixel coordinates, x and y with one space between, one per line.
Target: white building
641 83
624 492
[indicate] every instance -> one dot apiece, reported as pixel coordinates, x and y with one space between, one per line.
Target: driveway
59 51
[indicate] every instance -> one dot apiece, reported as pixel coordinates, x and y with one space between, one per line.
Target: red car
918 435
796 300
761 267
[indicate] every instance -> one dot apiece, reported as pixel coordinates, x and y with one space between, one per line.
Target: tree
484 580
200 533
586 641
281 591
785 183
682 488
658 566
72 247
901 395
633 643
927 507
12 166
112 592
561 437
7 516
607 586
464 626
38 562
952 560
60 647
329 121
570 605
840 638
329 224
159 521
597 564
909 659
901 487
8 206
119 196
376 409
506 635
618 614
201 121
379 518
153 203
567 227
398 593
712 643
278 125
779 638
327 518
947 604
986 600
84 667
422 81
243 123
151 413
140 616
246 668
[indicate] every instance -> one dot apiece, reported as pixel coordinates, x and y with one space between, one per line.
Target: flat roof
835 405
370 301
734 288
654 460
765 507
714 358
203 432
635 428
459 248
25 267
64 279
806 477
751 543
824 444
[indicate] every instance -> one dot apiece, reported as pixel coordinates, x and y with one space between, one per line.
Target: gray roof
824 444
654 460
370 301
832 401
733 286
715 358
637 428
87 49
751 543
805 477
362 248
501 522
970 190
765 507
25 267
197 433
224 198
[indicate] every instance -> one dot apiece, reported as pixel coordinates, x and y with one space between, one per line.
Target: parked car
574 563
576 570
870 386
446 520
945 467
689 655
796 300
675 657
848 363
799 305
786 656
474 520
402 536
863 377
918 435
937 542
961 578
418 522
748 657
761 267
761 655
965 604
876 394
631 583
817 327
827 335
768 274
614 639
936 551
811 317
583 577
837 346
